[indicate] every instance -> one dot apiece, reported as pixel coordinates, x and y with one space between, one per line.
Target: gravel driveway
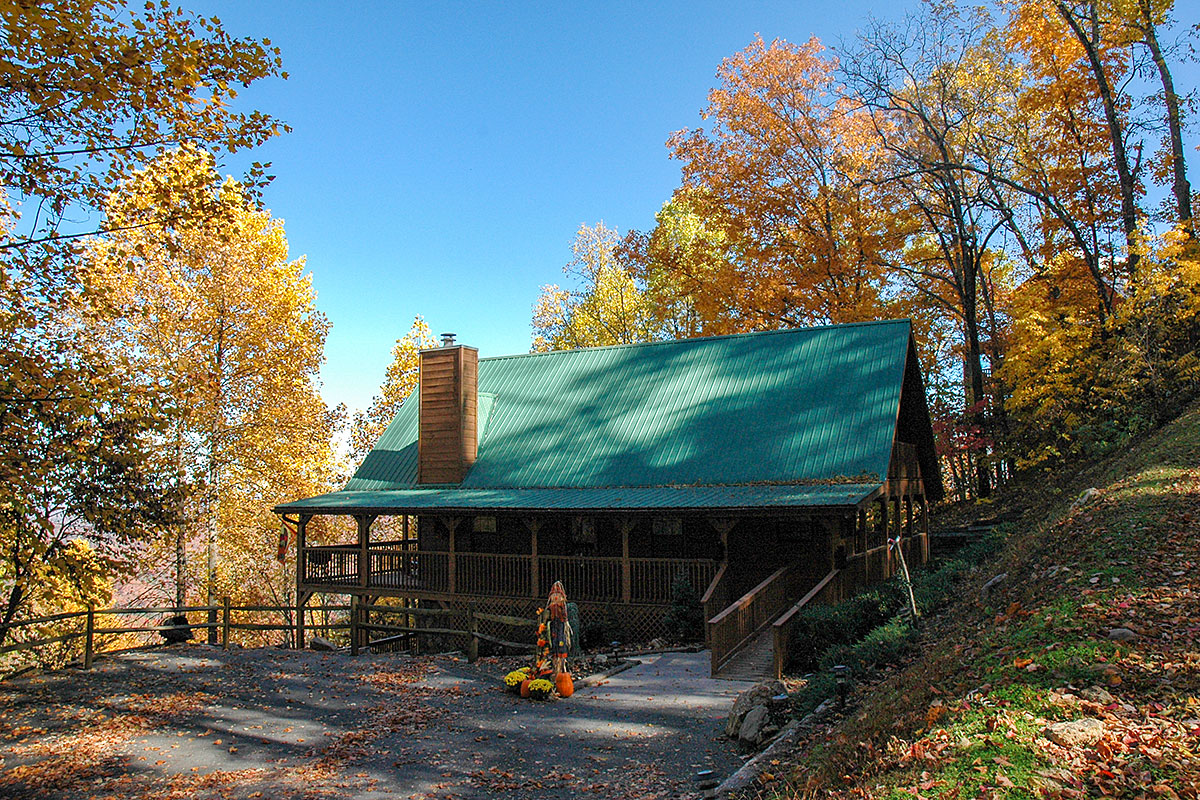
191 721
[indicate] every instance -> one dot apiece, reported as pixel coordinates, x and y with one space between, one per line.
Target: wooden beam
884 527
533 524
364 542
452 524
301 602
626 525
924 530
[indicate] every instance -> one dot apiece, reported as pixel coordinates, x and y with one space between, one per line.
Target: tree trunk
1116 130
976 407
15 596
180 564
1181 188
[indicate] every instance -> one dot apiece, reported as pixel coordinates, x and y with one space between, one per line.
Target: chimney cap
448 339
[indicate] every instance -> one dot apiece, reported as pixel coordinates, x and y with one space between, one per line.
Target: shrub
602 629
820 628
684 621
884 646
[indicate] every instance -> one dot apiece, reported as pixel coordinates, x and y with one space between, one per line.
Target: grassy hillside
966 717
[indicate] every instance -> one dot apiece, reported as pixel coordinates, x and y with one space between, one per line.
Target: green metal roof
803 416
616 499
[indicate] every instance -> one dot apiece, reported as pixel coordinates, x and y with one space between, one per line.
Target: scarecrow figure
560 630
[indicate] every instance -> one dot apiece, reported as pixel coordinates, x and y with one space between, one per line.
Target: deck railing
392 566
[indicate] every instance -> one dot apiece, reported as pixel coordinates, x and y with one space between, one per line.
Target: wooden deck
395 570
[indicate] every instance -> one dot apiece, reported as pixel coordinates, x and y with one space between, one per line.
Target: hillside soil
1095 622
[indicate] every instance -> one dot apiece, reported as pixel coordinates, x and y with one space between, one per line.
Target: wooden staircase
740 636
754 661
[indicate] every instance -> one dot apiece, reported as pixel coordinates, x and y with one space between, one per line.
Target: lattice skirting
602 623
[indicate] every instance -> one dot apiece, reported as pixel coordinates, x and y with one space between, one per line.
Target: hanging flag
287 528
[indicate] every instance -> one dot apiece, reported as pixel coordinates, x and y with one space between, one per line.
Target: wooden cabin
763 466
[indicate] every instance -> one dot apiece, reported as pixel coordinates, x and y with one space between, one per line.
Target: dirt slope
1098 618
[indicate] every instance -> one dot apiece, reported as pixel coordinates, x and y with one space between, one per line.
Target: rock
601 659
987 587
1122 635
769 732
751 731
179 632
1097 694
658 644
322 644
758 694
1086 497
1076 733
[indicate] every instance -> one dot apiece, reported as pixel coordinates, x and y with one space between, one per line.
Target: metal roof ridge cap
777 331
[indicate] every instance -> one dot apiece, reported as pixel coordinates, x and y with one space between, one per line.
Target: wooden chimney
449 403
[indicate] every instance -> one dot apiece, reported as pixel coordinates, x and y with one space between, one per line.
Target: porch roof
583 499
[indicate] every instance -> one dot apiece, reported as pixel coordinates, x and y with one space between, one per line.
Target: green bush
882 647
684 621
817 629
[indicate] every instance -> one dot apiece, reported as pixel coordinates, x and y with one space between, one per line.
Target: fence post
353 624
472 634
89 638
225 623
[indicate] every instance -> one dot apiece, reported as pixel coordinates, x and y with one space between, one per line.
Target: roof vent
448 339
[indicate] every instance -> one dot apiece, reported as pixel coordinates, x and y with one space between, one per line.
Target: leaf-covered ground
193 722
966 718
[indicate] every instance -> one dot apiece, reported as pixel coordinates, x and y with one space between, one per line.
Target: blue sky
443 155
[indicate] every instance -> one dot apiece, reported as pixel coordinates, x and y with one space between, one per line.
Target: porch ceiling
765 496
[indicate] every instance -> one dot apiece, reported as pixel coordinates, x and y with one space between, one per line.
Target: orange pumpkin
564 684
525 687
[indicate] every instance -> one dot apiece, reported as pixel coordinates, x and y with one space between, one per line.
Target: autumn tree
399 382
79 488
778 178
678 262
1140 22
606 305
90 89
214 311
933 85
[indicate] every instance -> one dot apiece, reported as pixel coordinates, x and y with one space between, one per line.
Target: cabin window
583 530
668 526
485 524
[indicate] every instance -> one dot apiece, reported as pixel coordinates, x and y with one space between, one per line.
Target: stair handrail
735 626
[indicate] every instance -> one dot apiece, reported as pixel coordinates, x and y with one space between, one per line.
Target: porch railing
392 566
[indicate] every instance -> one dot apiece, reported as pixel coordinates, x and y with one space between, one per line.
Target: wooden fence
221 620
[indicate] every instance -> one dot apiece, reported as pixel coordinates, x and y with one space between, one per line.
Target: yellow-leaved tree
607 306
398 383
214 311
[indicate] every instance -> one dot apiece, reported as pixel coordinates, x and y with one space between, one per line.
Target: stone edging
749 771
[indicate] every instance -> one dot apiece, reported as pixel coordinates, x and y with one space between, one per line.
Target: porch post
534 576
364 538
723 525
626 525
452 524
301 575
301 602
885 560
924 529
